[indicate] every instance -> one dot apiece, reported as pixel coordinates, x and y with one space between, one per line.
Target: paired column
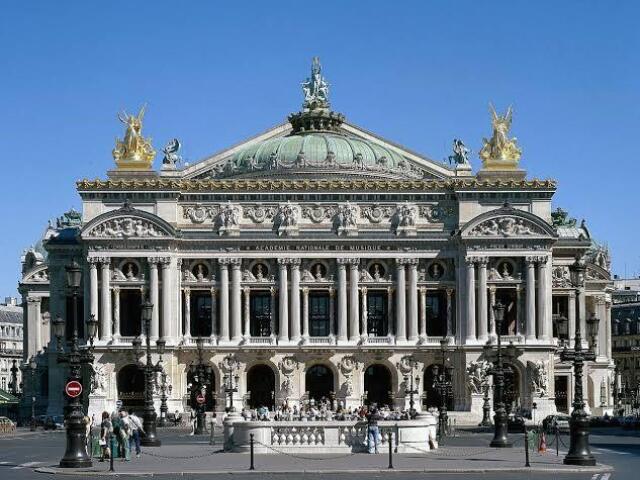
492 315
295 299
449 312
363 311
214 316
247 312
284 301
471 299
33 332
93 292
187 313
166 299
483 329
224 299
305 314
332 319
543 324
154 296
272 311
607 322
390 306
601 336
105 296
354 307
530 325
236 300
342 299
401 301
116 314
412 264
572 318
423 311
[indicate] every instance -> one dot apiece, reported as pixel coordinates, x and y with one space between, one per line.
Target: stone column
412 323
471 299
272 311
187 313
284 301
542 300
354 301
363 312
423 312
449 312
482 300
572 318
602 316
224 299
295 299
116 314
154 297
34 329
607 322
401 301
530 327
389 310
247 312
342 300
166 300
332 315
305 314
492 315
214 315
93 292
105 297
518 327
236 301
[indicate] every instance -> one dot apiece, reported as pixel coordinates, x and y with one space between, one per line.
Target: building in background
323 261
11 334
626 335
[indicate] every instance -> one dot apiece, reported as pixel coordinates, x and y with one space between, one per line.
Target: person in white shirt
136 429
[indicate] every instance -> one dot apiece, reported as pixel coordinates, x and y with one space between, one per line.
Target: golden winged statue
134 152
500 151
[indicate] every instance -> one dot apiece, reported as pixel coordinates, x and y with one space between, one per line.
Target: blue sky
419 73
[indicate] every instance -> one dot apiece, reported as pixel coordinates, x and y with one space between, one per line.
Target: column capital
412 262
104 260
93 261
450 291
295 263
273 291
348 261
229 261
34 299
214 291
163 261
471 261
305 290
283 262
332 292
599 299
482 261
572 293
422 290
246 290
116 290
390 289
401 262
363 290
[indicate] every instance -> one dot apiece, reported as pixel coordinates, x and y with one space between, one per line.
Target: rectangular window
560 310
200 314
260 314
377 313
69 319
508 298
436 314
130 312
318 314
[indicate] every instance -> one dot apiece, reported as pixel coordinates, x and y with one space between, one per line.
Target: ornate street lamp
443 384
202 381
486 406
13 386
500 418
411 382
579 451
33 367
150 438
76 455
164 389
231 383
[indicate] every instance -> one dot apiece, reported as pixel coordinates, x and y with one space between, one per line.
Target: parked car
553 422
630 422
55 422
516 423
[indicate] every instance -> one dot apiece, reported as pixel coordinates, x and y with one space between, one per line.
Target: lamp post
411 386
231 382
33 367
443 384
150 438
76 451
486 406
13 387
202 379
579 451
164 388
500 418
615 386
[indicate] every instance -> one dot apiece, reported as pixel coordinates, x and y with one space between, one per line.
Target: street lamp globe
592 329
92 327
74 274
147 313
161 345
58 327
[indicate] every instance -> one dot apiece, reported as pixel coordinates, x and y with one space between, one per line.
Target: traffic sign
200 398
73 388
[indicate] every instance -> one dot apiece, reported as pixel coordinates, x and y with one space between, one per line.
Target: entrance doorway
377 385
511 388
130 380
561 387
432 396
319 382
261 383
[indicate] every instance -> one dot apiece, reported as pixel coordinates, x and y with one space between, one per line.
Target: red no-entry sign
200 398
73 388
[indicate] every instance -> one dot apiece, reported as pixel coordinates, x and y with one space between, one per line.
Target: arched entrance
512 397
210 402
261 384
130 380
319 382
377 385
432 398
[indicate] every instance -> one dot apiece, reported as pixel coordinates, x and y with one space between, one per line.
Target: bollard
526 447
557 441
251 467
390 450
211 439
112 453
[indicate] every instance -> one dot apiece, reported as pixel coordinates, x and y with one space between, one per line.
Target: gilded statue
134 152
500 151
315 88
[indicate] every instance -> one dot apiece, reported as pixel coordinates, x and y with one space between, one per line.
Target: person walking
373 432
122 428
136 431
106 430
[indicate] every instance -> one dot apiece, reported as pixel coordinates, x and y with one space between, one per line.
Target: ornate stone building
323 259
10 342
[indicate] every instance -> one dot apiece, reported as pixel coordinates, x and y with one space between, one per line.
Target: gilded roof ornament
134 152
500 152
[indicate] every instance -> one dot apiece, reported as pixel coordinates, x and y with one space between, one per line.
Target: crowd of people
120 434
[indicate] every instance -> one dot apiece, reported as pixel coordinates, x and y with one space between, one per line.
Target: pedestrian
122 428
373 433
136 431
106 430
192 421
176 418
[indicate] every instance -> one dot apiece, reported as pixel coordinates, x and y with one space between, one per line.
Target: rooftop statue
500 151
560 218
315 88
460 153
134 152
171 156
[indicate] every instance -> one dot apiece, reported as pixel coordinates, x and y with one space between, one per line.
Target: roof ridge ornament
315 89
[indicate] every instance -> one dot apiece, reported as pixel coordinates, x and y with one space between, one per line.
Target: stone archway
319 382
377 385
261 384
130 381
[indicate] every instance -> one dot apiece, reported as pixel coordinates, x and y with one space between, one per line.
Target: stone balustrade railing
334 436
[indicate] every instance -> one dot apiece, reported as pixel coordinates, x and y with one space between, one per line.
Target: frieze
126 227
377 213
199 213
561 277
259 213
318 213
507 227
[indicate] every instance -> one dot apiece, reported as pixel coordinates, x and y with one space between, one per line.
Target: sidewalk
201 458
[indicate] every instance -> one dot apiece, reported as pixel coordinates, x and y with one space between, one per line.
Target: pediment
507 222
127 223
39 274
412 165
